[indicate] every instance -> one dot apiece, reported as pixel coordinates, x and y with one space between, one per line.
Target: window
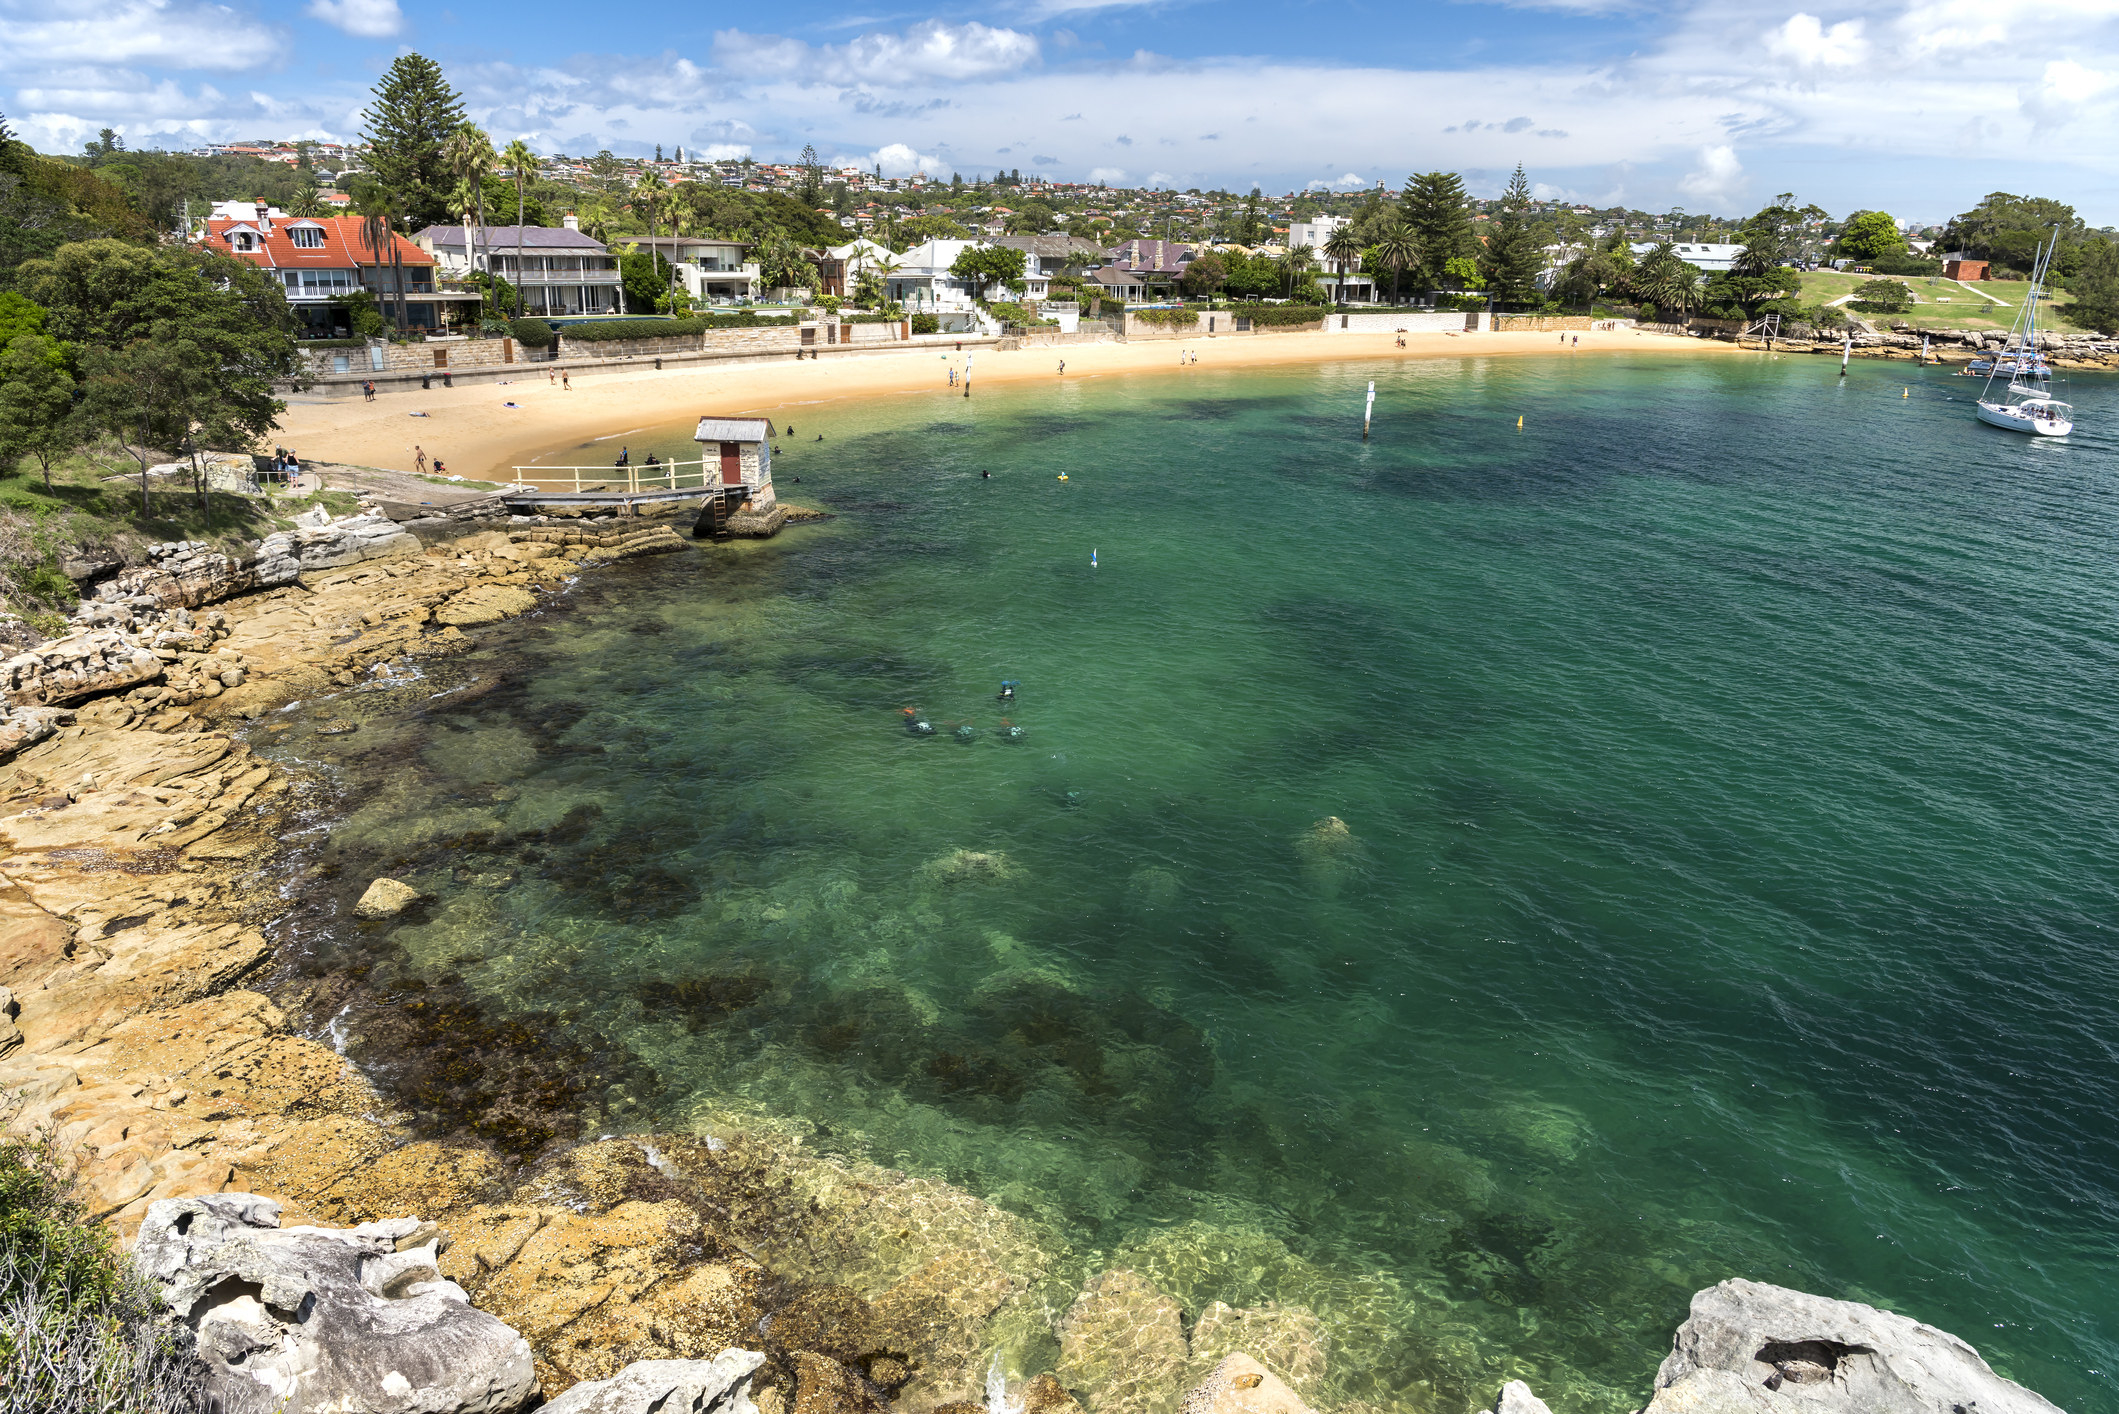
307 237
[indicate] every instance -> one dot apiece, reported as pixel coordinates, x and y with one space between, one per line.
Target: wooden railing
633 479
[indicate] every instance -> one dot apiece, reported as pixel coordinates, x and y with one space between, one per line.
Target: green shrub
533 333
926 324
1170 318
1882 297
80 1329
1276 316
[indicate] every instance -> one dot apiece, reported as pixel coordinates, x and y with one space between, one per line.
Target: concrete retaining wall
430 357
1391 321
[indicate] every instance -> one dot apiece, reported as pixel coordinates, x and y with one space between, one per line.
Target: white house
1702 255
559 270
923 284
1315 233
712 270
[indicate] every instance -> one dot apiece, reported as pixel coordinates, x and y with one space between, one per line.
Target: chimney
571 221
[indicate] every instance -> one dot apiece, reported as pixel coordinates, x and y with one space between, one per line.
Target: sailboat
2024 406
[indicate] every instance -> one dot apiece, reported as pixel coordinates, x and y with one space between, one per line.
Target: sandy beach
473 431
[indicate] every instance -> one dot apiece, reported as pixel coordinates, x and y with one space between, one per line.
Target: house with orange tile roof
320 259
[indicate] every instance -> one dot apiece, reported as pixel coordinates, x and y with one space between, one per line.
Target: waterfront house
744 448
712 270
559 270
839 268
1700 255
319 260
1052 255
923 284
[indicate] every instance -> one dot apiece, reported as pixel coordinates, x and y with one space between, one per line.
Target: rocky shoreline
137 912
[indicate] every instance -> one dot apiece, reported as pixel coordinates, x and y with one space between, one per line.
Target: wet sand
476 435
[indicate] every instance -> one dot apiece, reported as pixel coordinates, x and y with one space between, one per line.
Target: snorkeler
917 724
1010 731
1007 692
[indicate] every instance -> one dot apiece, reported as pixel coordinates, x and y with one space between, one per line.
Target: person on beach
419 459
439 469
566 381
368 390
625 457
1063 368
551 378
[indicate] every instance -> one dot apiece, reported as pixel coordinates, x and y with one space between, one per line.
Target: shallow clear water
1728 881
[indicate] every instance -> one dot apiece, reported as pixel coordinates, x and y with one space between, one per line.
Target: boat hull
2009 419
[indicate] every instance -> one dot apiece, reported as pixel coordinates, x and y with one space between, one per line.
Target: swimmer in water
985 476
916 724
1007 692
1010 731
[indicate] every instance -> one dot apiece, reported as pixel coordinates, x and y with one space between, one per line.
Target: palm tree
470 155
519 157
1399 251
377 235
1296 264
1342 250
1666 281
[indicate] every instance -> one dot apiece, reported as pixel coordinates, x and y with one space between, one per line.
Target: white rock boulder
1750 1348
717 1386
306 1319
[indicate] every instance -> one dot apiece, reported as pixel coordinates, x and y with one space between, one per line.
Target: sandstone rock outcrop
1751 1348
1240 1385
717 1386
307 1318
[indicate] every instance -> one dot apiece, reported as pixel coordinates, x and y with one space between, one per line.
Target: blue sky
1916 106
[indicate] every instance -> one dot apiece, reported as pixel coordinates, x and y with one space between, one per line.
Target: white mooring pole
1368 411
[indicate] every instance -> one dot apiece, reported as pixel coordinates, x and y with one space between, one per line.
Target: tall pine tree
1438 214
413 114
1513 258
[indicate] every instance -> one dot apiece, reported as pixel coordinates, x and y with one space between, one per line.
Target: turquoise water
1725 884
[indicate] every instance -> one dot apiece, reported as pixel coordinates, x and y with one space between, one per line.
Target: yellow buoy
1519 424
1063 476
1905 392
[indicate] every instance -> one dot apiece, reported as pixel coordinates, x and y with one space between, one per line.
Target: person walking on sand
551 378
419 459
1063 368
566 381
368 390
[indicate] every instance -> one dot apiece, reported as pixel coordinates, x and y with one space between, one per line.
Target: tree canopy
981 264
1513 258
2006 230
410 121
1871 235
1438 213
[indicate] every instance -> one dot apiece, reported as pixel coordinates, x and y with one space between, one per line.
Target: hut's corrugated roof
733 429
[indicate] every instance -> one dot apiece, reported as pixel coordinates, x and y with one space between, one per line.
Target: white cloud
2063 92
1804 40
719 152
1718 176
369 19
1112 175
930 50
1349 182
899 160
157 32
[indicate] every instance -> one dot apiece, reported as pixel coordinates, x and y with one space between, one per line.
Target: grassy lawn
85 512
1943 303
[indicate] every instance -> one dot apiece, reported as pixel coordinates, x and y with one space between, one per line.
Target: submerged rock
385 898
1240 1385
1289 1340
971 866
1122 1344
1749 1347
717 1386
311 1318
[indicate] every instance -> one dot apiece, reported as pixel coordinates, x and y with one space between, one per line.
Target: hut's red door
731 464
